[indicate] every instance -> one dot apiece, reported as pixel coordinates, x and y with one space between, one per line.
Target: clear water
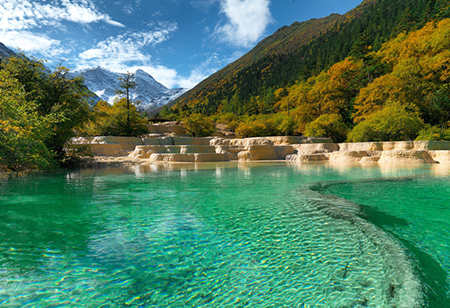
416 210
212 235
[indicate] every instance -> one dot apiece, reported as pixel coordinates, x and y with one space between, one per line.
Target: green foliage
68 97
328 125
169 113
392 123
229 119
198 125
411 68
76 154
121 119
164 112
244 130
287 126
440 106
225 118
433 133
265 125
23 131
53 94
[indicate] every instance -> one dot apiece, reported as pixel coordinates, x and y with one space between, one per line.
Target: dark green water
221 235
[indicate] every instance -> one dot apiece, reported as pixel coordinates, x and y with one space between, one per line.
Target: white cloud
167 76
202 5
170 77
210 65
26 14
114 23
127 47
116 51
126 53
246 21
31 42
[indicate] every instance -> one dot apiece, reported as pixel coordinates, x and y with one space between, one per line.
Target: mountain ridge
302 50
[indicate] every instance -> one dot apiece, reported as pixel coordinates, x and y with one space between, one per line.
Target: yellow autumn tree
419 77
330 92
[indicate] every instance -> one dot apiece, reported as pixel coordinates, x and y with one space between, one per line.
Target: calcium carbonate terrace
213 149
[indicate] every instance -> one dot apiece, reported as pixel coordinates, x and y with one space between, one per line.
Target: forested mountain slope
303 50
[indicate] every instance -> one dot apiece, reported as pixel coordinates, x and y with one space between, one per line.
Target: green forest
380 72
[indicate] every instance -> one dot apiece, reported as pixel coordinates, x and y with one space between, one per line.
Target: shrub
53 95
328 125
198 125
392 123
259 126
287 126
244 130
433 133
226 118
112 120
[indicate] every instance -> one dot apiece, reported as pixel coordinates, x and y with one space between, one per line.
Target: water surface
211 235
416 210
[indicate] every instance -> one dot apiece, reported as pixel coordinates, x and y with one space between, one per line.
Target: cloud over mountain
246 21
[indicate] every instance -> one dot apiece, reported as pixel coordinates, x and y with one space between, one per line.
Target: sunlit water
224 235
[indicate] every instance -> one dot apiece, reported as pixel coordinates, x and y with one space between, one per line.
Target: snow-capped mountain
148 91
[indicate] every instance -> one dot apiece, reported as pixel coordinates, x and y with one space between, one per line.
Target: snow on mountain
149 92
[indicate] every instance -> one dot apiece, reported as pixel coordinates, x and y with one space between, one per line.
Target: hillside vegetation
348 77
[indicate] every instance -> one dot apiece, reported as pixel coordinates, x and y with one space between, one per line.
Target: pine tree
127 83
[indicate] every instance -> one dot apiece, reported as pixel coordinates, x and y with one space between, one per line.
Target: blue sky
178 42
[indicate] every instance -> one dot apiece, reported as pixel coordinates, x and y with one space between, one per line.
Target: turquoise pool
226 235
